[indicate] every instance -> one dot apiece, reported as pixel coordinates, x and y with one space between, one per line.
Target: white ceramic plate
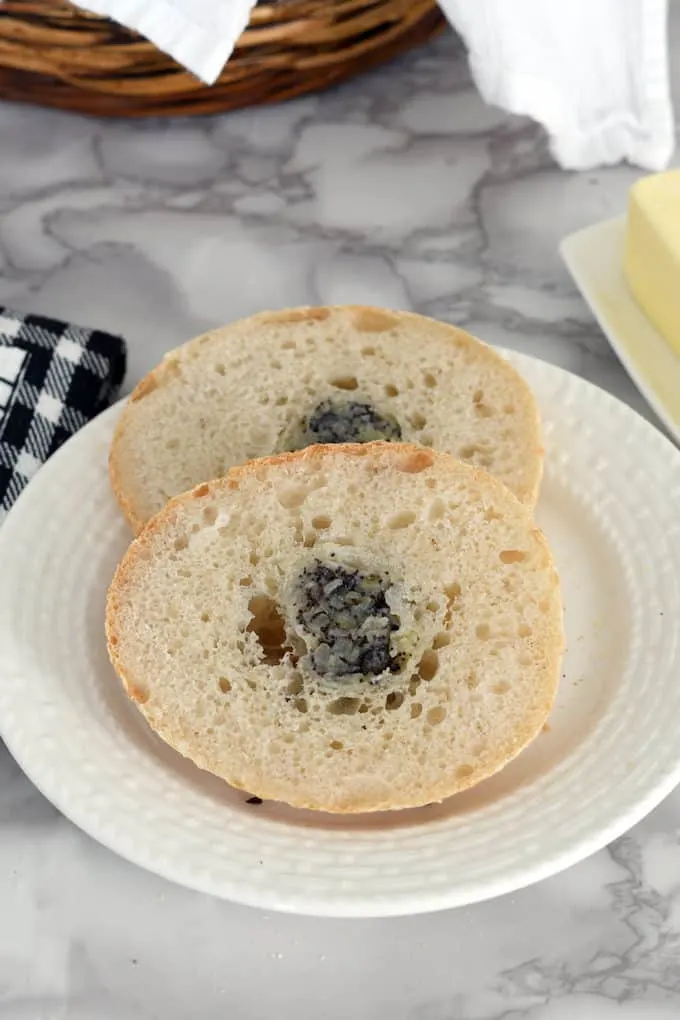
611 752
594 257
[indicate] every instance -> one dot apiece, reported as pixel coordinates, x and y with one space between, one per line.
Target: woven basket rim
59 55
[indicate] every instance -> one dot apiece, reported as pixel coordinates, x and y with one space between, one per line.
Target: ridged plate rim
133 802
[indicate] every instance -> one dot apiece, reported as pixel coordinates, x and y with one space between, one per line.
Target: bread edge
414 458
163 373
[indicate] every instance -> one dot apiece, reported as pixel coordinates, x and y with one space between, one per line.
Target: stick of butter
651 264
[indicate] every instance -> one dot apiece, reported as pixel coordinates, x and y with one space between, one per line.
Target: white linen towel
593 72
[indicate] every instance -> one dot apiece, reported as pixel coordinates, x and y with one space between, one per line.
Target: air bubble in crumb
345 382
401 520
301 705
268 626
442 639
429 380
292 497
429 664
483 631
394 700
502 687
436 715
295 686
483 411
224 685
343 706
464 771
391 390
437 510
512 556
416 709
321 523
337 745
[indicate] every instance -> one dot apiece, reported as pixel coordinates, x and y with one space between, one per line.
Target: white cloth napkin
199 34
593 72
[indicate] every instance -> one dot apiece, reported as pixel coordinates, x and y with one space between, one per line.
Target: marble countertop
401 189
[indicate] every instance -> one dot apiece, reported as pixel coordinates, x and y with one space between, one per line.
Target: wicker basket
53 54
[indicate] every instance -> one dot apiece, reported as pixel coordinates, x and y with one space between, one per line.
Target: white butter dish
594 257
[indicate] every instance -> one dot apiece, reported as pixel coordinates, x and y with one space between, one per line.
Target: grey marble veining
402 189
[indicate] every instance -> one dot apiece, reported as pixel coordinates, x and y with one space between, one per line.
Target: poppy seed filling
349 421
347 614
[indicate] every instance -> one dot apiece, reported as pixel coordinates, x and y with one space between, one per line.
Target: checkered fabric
54 378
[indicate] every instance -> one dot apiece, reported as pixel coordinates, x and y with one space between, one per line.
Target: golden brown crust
416 461
303 314
374 320
406 457
147 385
153 380
158 377
137 694
135 523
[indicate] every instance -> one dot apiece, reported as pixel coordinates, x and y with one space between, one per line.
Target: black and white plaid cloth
54 378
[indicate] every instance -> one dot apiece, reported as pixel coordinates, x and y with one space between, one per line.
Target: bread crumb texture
283 380
346 628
